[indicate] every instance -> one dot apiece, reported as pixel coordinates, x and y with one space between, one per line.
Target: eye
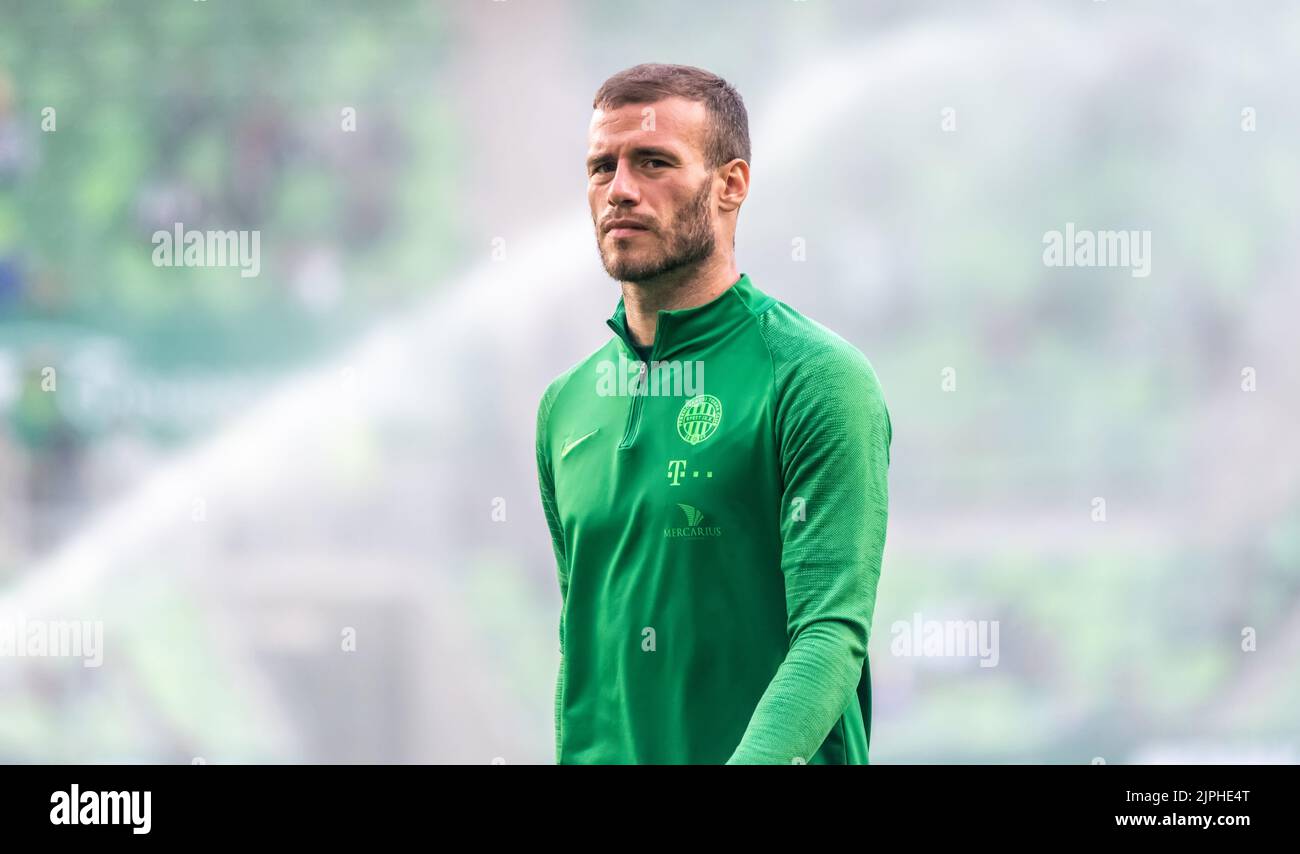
655 163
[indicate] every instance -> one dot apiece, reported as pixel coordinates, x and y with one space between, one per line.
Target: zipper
634 411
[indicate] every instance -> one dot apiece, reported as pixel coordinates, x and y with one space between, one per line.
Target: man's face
650 189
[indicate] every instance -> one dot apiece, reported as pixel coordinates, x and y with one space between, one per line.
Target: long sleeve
834 434
546 483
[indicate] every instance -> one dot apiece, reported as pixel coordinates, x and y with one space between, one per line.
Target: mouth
618 228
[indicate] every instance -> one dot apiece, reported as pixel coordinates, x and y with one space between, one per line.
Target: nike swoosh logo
569 446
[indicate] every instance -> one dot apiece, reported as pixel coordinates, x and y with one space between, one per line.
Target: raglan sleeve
546 484
834 436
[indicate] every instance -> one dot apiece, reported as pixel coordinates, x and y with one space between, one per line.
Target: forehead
676 122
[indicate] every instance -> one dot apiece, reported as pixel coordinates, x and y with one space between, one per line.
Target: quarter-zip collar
687 329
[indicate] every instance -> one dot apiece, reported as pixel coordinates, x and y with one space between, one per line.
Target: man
718 552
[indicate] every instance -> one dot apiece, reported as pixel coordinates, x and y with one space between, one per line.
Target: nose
623 190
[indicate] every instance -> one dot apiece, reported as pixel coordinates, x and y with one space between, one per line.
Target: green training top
718 520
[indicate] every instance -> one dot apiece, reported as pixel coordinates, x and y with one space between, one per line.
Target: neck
684 288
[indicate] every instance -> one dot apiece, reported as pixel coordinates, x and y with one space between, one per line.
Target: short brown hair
652 81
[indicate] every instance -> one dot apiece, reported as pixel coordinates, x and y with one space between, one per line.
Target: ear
735 185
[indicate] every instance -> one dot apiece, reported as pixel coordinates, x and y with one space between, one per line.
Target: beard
689 242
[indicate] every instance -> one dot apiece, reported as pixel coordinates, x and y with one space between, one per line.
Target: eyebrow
638 152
